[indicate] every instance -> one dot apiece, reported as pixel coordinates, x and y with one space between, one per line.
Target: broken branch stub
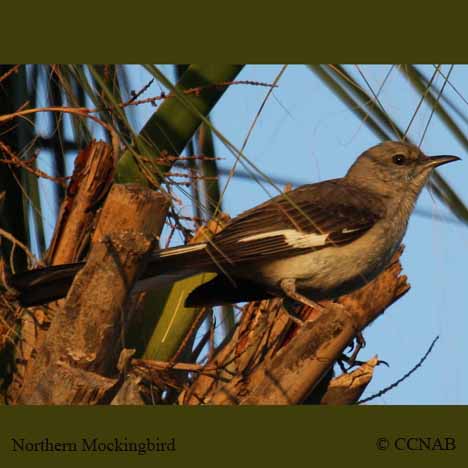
90 183
347 388
87 333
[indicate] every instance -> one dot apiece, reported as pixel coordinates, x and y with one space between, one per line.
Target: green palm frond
367 108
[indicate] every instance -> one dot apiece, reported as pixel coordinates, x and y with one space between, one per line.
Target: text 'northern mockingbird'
317 242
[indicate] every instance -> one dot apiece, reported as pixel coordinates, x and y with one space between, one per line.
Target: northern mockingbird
317 242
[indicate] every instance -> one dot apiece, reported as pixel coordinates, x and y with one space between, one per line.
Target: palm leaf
380 123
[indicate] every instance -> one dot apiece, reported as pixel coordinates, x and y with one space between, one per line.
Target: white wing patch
349 231
292 237
181 250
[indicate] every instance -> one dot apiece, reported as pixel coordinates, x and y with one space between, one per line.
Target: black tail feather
35 287
221 290
42 285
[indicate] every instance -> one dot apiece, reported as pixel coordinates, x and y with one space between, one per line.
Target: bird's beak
435 161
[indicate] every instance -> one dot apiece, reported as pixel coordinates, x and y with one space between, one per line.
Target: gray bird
317 242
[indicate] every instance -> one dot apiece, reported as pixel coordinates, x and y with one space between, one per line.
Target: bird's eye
399 159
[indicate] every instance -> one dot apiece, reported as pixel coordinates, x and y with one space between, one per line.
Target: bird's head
393 168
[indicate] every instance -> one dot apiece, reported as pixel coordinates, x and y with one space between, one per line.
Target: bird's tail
43 285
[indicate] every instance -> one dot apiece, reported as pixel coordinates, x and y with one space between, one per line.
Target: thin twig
196 91
193 328
246 140
137 94
421 100
436 104
166 365
398 382
9 72
27 164
80 111
23 247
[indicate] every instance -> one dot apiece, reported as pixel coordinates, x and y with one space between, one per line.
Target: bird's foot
360 342
343 359
351 360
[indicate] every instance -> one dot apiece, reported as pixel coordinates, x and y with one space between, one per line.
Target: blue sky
306 134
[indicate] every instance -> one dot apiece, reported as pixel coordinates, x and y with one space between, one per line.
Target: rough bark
130 392
90 182
85 334
133 208
85 338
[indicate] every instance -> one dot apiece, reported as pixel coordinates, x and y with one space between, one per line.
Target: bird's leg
360 343
288 286
288 307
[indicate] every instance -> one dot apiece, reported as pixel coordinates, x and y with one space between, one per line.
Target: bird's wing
330 213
